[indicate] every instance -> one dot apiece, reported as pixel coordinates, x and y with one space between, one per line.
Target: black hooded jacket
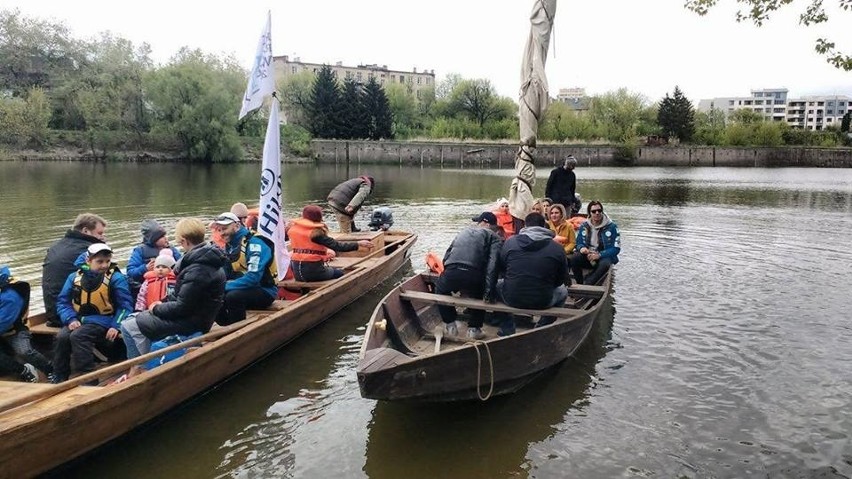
58 264
532 265
476 248
198 295
561 186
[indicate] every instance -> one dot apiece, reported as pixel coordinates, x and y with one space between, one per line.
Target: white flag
261 82
270 221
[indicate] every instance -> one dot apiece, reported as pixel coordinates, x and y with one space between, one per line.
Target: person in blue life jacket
598 245
15 339
142 257
91 306
252 274
61 259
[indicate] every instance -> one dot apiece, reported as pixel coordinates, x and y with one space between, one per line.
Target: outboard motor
382 219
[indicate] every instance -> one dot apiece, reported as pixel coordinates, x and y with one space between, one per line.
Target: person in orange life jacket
251 276
309 243
195 301
142 257
470 266
598 245
505 219
14 303
60 260
157 283
92 305
346 199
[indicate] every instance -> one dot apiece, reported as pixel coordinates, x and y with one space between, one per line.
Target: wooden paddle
122 366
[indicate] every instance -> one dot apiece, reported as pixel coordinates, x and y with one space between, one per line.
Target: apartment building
771 103
285 66
817 112
575 98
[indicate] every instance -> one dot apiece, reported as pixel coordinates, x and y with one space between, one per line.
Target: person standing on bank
470 266
347 198
598 245
88 229
562 184
252 273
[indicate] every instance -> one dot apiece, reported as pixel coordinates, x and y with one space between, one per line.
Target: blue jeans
137 343
23 347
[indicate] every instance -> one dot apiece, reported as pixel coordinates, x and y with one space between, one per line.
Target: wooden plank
292 284
43 328
586 291
480 304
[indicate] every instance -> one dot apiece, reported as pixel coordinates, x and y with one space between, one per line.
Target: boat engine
382 219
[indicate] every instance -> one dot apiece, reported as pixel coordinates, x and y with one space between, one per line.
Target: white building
771 103
818 112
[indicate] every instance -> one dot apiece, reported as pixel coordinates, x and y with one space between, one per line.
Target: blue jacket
258 257
11 302
609 239
139 257
119 293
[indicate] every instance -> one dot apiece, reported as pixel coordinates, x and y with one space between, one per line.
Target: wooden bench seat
586 291
294 285
480 304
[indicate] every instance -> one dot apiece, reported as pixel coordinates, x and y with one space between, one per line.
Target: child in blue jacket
92 304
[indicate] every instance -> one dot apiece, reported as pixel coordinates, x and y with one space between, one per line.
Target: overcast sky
647 46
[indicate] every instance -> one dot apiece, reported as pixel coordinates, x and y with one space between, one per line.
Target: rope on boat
475 345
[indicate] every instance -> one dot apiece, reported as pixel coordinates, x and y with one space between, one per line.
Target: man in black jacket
198 294
562 184
470 266
533 268
88 229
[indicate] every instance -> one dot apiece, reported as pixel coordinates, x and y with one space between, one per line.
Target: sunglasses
595 211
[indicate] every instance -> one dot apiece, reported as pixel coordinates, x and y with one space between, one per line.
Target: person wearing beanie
142 257
159 282
347 198
310 245
562 184
240 210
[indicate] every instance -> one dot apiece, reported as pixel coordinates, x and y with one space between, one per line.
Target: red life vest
159 288
301 245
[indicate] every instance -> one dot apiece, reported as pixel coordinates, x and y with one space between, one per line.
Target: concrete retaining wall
501 155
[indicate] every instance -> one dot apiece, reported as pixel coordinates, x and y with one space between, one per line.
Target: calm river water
726 354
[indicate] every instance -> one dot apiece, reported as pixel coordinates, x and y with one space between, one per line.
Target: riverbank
484 155
502 155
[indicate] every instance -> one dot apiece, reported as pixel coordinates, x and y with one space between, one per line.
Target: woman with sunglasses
598 245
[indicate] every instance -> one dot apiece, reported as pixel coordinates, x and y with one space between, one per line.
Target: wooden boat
401 358
43 426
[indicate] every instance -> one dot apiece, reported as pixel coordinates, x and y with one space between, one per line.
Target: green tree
618 114
759 11
404 108
324 109
844 124
24 121
295 93
196 97
381 117
478 100
710 127
676 116
354 116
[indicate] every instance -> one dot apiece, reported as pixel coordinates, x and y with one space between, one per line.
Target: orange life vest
302 248
577 221
159 288
435 264
505 221
251 219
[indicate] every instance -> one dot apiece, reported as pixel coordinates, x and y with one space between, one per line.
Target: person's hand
349 209
151 306
73 325
584 250
561 239
365 244
330 254
150 265
111 334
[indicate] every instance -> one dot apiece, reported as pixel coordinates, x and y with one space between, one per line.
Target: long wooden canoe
43 426
399 361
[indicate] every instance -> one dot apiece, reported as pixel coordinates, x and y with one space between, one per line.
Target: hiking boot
29 374
475 333
450 329
56 379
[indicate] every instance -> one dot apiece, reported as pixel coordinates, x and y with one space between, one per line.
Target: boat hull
69 424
